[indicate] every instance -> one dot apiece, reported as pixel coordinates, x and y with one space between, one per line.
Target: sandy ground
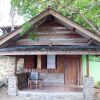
4 96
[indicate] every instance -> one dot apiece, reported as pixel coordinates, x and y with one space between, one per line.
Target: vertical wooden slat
60 63
38 61
87 63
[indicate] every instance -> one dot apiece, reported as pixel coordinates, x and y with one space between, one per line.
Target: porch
47 88
54 92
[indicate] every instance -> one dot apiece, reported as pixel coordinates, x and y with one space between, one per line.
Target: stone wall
54 78
7 66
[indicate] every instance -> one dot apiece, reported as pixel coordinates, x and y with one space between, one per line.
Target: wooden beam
87 65
71 35
51 52
90 41
54 41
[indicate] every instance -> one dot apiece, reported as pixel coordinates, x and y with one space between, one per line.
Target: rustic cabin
54 56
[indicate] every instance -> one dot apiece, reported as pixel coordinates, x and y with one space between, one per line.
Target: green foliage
33 36
25 28
89 8
97 85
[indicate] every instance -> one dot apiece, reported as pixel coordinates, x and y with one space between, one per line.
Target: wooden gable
51 32
55 30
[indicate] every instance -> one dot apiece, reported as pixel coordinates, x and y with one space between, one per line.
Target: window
51 61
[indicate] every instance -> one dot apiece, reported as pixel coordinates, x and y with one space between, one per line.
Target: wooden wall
60 63
30 62
53 33
70 65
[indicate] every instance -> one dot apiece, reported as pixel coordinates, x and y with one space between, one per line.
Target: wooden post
81 71
87 63
38 61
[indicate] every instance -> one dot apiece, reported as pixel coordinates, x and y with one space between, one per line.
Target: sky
5 15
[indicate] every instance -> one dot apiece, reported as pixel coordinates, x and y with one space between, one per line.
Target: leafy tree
84 12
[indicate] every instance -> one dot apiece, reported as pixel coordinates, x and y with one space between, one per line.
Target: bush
97 85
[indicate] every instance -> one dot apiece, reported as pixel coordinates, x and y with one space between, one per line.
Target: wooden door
72 64
60 63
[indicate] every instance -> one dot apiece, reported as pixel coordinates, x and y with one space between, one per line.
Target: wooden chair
34 81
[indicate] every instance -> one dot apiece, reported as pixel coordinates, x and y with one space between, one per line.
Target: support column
12 86
88 84
38 61
88 88
87 65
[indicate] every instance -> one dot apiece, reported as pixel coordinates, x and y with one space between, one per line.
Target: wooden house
58 47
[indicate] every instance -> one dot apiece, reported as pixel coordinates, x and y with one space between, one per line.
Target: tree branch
86 20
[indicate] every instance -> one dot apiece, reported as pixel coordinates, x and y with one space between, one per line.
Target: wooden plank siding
53 33
60 63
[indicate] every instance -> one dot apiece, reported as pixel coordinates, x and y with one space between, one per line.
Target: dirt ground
4 96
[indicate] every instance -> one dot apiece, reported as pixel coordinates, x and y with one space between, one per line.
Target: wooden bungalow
57 49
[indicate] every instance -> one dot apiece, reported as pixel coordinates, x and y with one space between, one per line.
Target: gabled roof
65 21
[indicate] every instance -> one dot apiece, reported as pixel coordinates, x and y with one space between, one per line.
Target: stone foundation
88 88
51 96
12 86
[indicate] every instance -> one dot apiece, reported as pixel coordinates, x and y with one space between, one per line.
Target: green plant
25 28
97 85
